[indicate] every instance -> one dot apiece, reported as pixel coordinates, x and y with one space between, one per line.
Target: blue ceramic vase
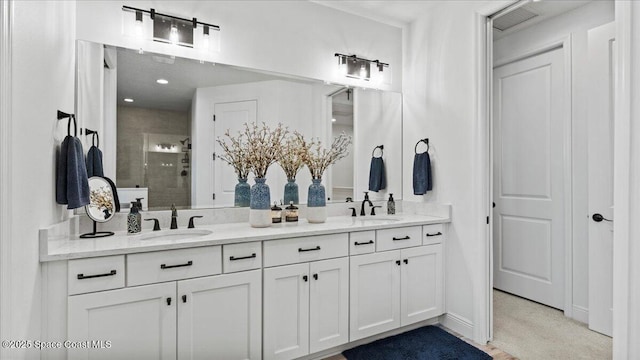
260 195
316 202
242 193
291 192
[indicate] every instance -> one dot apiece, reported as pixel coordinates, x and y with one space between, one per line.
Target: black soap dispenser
134 219
391 205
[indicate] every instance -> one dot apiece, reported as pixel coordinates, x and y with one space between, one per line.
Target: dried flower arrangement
235 153
317 158
291 156
102 199
263 147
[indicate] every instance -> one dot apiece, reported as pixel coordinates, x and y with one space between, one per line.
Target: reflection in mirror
160 116
342 121
102 205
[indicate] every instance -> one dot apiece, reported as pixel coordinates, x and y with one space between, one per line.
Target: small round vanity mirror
102 205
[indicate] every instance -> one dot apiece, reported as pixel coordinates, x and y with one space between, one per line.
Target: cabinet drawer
95 274
241 257
391 239
291 251
432 234
159 266
362 242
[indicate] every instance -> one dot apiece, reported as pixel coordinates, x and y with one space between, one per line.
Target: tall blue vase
316 202
291 192
260 212
242 196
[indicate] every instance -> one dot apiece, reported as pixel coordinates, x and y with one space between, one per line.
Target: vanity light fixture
359 68
162 81
173 29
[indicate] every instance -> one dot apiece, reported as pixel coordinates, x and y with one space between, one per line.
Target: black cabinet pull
436 234
305 278
315 276
83 276
168 301
184 298
312 249
402 238
233 258
363 243
398 262
406 261
164 266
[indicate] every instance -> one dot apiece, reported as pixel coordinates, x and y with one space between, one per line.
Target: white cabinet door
375 294
140 322
286 311
421 283
220 317
329 304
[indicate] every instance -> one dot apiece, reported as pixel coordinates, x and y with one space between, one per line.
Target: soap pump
134 219
391 205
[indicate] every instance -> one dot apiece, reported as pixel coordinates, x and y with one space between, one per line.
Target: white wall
575 23
43 58
291 37
439 104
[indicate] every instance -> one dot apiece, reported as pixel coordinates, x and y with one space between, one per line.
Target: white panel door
286 311
374 306
420 283
229 116
220 317
140 322
328 304
600 119
529 165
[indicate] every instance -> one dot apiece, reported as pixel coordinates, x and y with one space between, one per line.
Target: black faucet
366 200
174 217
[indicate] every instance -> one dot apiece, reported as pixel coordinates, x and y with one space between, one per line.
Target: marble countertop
63 247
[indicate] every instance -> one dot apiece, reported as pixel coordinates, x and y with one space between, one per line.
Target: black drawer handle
363 243
398 262
305 278
312 249
164 266
402 238
315 276
436 234
184 298
233 258
168 301
406 261
83 276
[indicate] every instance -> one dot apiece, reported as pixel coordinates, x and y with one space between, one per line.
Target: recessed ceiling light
333 120
128 100
162 81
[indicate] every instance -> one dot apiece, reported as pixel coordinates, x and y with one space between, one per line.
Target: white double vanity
228 291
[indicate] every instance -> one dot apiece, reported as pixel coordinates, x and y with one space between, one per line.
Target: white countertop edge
61 247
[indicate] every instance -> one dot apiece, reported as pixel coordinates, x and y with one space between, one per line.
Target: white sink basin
175 234
375 220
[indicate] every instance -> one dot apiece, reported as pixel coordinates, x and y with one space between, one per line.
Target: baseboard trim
580 314
457 323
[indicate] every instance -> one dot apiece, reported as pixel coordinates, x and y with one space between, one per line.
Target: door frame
6 28
483 309
563 42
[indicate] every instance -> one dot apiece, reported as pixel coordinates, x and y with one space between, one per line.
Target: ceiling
392 12
137 75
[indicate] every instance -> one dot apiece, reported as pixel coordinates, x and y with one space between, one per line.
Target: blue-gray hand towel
422 174
94 162
377 176
72 183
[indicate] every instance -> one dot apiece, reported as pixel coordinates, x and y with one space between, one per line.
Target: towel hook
425 140
94 137
64 115
381 147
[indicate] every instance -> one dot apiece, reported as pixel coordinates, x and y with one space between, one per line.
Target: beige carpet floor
528 330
